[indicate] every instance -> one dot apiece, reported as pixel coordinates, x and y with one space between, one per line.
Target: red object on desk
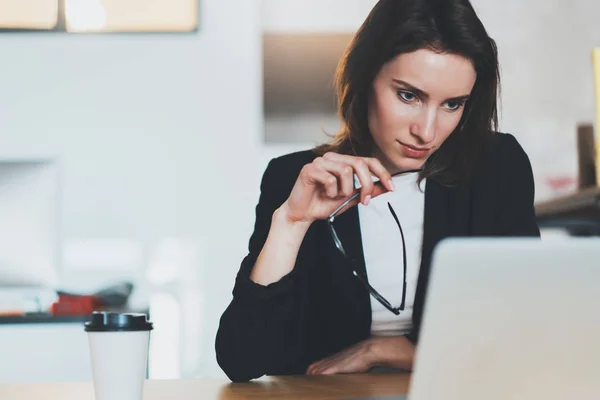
74 305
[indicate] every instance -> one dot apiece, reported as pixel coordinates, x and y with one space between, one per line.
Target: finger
344 173
317 370
381 172
375 167
330 371
330 368
361 169
312 369
330 184
313 174
326 363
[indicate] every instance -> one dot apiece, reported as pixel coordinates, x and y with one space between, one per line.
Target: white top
382 247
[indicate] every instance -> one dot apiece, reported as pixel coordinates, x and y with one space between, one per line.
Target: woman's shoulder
293 161
283 170
505 151
504 158
502 143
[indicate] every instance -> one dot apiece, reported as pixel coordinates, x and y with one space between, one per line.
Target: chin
402 163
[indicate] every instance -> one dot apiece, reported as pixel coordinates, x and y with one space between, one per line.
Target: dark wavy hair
394 27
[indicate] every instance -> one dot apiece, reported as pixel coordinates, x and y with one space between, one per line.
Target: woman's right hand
328 181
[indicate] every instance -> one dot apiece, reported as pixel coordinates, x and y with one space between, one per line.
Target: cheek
448 123
389 117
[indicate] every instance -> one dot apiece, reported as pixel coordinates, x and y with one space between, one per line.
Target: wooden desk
287 388
584 204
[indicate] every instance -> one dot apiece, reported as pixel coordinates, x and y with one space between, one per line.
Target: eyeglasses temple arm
377 295
332 216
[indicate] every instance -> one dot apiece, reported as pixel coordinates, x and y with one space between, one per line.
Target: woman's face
417 100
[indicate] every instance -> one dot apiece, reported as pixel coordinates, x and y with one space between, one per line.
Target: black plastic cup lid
115 322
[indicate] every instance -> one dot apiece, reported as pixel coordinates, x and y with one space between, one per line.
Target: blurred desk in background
44 348
578 213
296 387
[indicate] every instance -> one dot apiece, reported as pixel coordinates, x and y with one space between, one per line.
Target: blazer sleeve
260 332
517 190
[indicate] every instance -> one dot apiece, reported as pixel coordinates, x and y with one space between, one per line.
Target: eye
406 96
454 105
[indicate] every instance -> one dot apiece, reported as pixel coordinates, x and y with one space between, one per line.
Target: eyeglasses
360 275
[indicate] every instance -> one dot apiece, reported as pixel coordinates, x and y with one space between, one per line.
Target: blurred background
133 136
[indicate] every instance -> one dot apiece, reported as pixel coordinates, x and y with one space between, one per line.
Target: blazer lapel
446 215
347 227
355 295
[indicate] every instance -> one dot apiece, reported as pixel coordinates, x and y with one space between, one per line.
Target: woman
325 290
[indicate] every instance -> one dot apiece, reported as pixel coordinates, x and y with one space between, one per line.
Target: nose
424 126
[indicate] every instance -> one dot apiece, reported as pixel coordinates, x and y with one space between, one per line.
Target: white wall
160 136
546 58
314 15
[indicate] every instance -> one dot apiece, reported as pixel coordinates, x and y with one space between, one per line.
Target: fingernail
391 184
367 200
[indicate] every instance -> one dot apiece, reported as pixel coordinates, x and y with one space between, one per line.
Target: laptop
513 318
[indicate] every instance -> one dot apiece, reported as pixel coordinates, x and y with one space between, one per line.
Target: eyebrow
424 94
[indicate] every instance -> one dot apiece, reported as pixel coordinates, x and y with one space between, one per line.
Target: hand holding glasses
327 182
331 184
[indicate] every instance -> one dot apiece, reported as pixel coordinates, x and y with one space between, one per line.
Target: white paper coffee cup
119 354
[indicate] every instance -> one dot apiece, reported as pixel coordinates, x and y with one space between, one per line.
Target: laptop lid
514 319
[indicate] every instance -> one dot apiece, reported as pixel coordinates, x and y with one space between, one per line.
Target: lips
413 151
415 148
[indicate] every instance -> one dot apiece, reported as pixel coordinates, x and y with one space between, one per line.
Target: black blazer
320 308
